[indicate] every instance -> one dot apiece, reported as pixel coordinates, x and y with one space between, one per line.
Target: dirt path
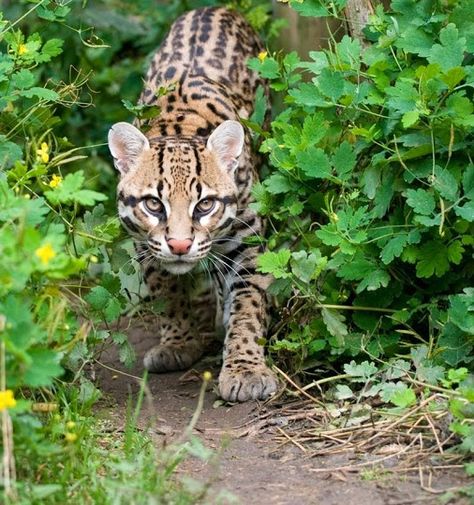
255 469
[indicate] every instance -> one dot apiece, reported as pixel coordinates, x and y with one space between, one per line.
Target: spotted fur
195 156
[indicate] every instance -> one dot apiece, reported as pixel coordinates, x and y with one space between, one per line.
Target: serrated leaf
445 183
465 211
362 371
43 367
356 269
375 280
410 118
394 247
310 8
70 191
307 266
274 263
455 252
9 152
343 392
421 201
314 162
335 323
450 53
404 397
329 235
42 93
331 84
307 94
433 259
277 183
23 79
344 159
51 48
98 297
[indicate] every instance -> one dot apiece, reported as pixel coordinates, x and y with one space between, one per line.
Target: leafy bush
371 190
68 70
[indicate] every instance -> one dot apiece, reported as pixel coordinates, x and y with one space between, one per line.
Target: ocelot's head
177 194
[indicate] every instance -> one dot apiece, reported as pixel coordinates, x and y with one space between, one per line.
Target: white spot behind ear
126 143
226 142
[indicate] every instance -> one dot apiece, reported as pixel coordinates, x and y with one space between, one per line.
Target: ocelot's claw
167 358
238 383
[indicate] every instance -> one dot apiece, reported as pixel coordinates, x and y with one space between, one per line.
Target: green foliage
371 181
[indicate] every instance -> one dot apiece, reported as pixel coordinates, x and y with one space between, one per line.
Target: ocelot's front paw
239 383
167 357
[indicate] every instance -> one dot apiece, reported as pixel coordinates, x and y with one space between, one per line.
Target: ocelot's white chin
178 267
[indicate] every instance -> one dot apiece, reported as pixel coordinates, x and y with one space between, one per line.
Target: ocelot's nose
179 247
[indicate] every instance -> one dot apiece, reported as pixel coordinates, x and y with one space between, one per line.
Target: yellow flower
45 253
22 49
6 399
261 56
70 425
43 153
207 376
55 181
70 437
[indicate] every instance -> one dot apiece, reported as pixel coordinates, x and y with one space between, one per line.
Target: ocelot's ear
226 142
126 143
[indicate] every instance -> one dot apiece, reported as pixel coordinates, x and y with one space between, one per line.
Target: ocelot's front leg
181 343
245 375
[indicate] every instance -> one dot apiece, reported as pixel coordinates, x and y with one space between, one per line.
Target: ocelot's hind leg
182 340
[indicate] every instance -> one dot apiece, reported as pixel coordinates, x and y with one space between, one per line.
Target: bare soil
256 469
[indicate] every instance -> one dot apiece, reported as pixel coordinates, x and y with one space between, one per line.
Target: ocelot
184 194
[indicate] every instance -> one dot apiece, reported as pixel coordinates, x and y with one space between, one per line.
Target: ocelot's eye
205 206
154 205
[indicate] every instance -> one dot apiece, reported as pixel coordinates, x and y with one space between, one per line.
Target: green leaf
461 310
356 269
23 79
42 93
450 53
43 368
329 235
465 211
260 106
344 159
349 50
307 94
455 252
9 152
403 97
361 372
421 201
434 259
268 68
375 280
410 118
314 162
335 324
51 48
394 247
414 40
274 263
331 84
309 8
98 297
314 129
343 392
307 266
403 397
277 184
445 183
69 191
454 347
